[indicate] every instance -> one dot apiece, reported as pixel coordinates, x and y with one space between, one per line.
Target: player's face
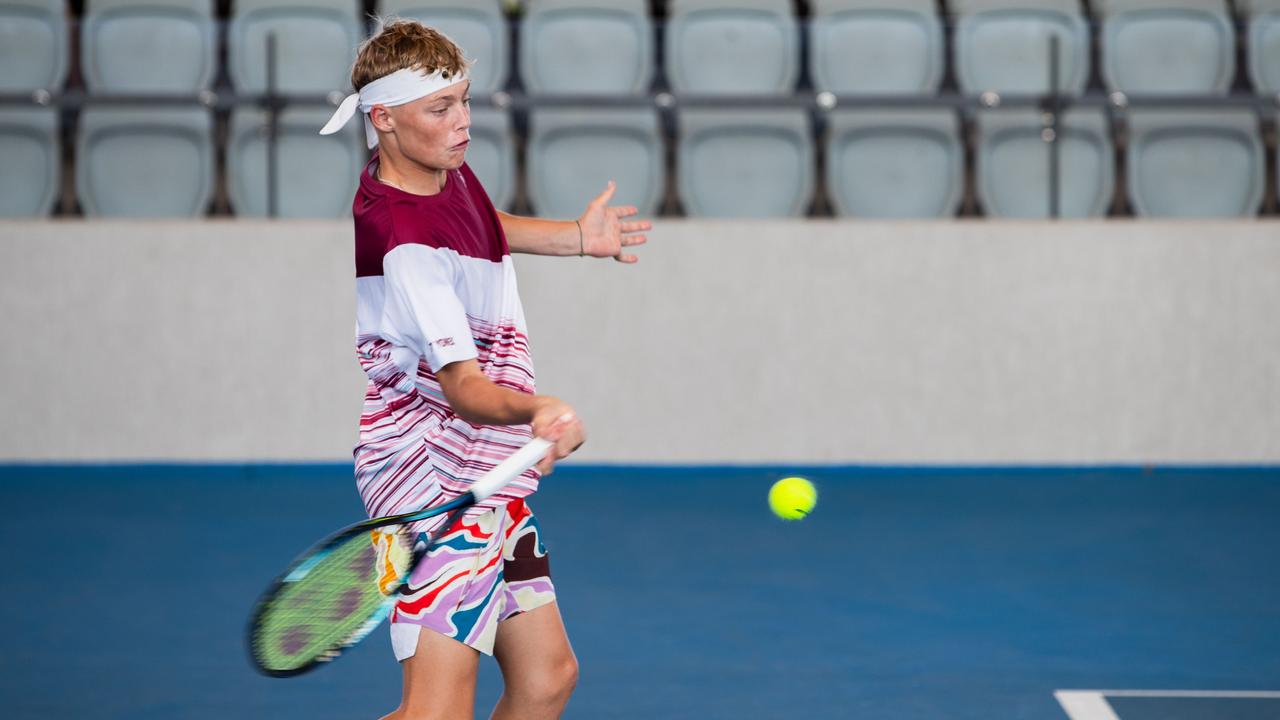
435 131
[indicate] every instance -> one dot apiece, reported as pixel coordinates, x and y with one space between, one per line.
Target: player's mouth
461 146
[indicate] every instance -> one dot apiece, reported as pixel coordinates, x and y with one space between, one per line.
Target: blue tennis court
909 593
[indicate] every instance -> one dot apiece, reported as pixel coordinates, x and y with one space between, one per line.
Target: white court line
1093 705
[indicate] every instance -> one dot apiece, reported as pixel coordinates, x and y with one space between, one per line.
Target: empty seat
876 47
1167 46
492 156
29 175
1013 165
147 46
144 162
33 45
1195 163
477 26
1264 43
894 163
745 164
315 44
316 175
586 47
573 153
1003 45
737 47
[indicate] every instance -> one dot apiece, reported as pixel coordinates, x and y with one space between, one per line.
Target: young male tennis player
441 335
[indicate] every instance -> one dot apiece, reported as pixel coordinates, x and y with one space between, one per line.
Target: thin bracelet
582 250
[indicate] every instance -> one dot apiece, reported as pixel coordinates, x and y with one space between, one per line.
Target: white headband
398 88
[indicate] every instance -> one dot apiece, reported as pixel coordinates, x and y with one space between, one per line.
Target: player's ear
380 116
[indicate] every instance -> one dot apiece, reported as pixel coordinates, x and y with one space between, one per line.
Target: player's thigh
534 653
439 680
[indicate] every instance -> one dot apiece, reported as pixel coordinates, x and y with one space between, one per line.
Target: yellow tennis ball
792 498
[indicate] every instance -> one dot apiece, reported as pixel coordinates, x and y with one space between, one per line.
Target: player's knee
554 684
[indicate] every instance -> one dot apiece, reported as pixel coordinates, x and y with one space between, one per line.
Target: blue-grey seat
1167 46
33 45
1263 17
906 163
573 153
492 154
316 174
30 172
1195 163
756 164
315 44
147 46
144 162
586 47
736 47
477 26
1013 164
876 47
1003 45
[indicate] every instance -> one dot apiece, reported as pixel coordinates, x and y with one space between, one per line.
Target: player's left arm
605 232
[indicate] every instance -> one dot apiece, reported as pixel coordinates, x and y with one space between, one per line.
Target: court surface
909 594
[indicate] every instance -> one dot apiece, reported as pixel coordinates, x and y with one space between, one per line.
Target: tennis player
441 336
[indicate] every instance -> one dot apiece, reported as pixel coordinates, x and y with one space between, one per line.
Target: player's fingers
634 240
628 259
547 465
638 226
604 197
626 211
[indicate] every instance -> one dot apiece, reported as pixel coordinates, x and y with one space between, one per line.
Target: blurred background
1001 276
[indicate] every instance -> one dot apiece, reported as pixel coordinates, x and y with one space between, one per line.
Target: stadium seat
492 156
31 170
1263 17
754 164
894 163
586 47
1013 164
737 47
1195 163
144 162
316 175
876 47
477 26
147 46
315 44
1167 46
33 45
1003 45
573 153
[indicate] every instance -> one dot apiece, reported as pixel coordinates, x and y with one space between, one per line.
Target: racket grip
511 468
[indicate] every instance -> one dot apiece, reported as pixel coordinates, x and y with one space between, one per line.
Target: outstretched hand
605 234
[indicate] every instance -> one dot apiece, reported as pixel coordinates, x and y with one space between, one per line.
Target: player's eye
466 100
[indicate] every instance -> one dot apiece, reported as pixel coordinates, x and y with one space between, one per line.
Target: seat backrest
315 44
745 164
33 45
1263 17
574 152
477 26
147 46
1195 163
876 47
1167 46
586 47
735 47
1004 45
29 173
491 155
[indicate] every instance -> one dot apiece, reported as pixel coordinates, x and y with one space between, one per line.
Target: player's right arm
477 399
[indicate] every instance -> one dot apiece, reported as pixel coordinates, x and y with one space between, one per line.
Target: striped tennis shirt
434 285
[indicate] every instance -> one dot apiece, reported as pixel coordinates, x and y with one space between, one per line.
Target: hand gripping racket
336 593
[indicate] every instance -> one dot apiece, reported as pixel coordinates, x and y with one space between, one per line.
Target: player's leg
439 680
539 670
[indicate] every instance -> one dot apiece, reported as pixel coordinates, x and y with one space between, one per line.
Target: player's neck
409 176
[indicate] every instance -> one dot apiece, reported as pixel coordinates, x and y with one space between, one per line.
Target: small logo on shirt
444 342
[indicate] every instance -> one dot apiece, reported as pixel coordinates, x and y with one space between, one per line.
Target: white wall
815 341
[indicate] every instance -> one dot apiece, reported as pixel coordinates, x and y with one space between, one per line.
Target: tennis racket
336 593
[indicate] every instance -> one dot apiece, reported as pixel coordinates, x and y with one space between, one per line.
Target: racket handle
511 468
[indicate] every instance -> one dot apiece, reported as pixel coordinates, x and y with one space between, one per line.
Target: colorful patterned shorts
481 572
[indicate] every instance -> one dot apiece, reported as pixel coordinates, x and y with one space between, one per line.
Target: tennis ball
792 498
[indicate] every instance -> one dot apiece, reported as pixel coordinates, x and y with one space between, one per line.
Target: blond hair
406 45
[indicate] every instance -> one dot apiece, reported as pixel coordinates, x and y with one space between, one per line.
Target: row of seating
876 163
711 46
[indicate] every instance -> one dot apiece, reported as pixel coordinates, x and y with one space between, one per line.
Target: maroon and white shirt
434 285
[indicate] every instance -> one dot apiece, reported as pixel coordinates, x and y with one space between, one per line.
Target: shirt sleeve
422 310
